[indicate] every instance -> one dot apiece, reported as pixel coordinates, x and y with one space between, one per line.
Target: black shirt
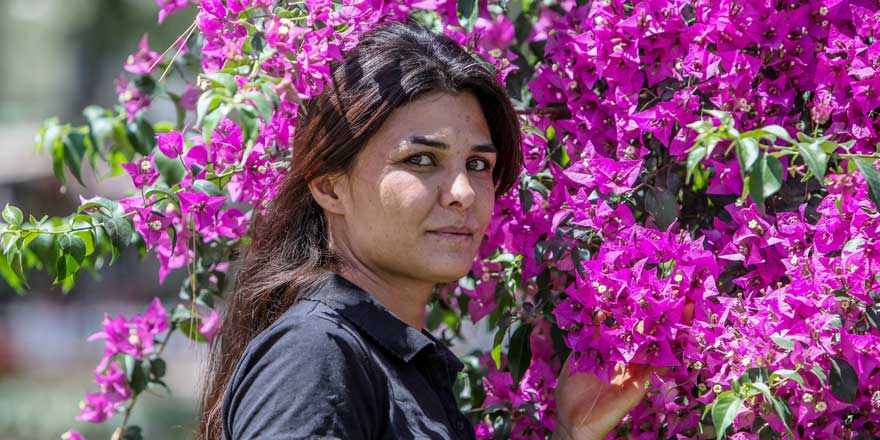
338 364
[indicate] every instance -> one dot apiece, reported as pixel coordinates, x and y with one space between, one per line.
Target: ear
326 190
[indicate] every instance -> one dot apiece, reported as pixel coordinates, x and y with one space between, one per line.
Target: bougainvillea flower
143 60
143 172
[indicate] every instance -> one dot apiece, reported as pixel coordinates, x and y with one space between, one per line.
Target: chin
448 272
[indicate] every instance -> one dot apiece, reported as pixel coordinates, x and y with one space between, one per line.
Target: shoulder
311 333
308 372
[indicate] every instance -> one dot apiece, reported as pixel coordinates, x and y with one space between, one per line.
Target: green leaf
747 151
755 374
504 258
551 133
258 42
48 134
722 116
873 316
788 374
14 261
753 187
58 161
72 245
662 205
262 104
171 170
28 236
206 299
180 313
224 80
269 93
502 426
526 199
157 368
815 158
141 135
172 232
74 150
206 187
829 147
520 352
817 370
119 231
12 215
65 267
88 240
467 13
132 432
9 241
100 129
783 342
536 185
560 156
499 338
844 380
190 328
139 376
779 406
250 123
110 207
208 101
772 175
724 410
694 157
36 222
164 193
853 245
866 166
765 178
774 132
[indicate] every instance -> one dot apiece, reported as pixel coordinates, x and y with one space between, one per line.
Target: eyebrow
422 140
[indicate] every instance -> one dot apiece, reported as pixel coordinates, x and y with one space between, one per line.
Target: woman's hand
587 408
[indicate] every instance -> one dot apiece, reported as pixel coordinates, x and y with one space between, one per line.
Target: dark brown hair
392 64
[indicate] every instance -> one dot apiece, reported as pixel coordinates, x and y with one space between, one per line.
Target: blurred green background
60 56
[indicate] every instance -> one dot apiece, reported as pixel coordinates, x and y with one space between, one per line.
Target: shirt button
459 424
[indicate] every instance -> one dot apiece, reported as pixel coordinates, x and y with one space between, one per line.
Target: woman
392 186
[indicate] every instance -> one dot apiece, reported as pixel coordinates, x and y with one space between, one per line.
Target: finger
687 314
598 318
636 384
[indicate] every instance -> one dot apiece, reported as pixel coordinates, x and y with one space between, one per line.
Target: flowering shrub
700 192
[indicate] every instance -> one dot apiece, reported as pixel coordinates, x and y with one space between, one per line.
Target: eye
422 160
479 164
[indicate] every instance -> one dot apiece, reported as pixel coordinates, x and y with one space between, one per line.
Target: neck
405 298
402 295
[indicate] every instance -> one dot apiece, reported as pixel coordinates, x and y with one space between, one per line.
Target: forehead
456 119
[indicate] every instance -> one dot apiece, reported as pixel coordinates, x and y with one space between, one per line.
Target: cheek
404 197
485 203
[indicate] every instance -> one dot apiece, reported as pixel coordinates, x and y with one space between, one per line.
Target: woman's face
420 195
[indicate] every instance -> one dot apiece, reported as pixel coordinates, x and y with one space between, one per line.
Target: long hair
392 64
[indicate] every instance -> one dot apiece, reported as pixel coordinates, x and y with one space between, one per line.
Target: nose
460 193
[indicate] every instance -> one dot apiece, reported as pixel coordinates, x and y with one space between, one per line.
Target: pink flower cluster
133 337
532 399
786 291
196 211
614 85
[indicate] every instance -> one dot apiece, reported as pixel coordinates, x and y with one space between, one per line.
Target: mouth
457 234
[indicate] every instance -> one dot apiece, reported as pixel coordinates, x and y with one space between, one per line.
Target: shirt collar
362 309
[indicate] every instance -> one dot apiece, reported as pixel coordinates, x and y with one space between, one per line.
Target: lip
453 234
460 230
